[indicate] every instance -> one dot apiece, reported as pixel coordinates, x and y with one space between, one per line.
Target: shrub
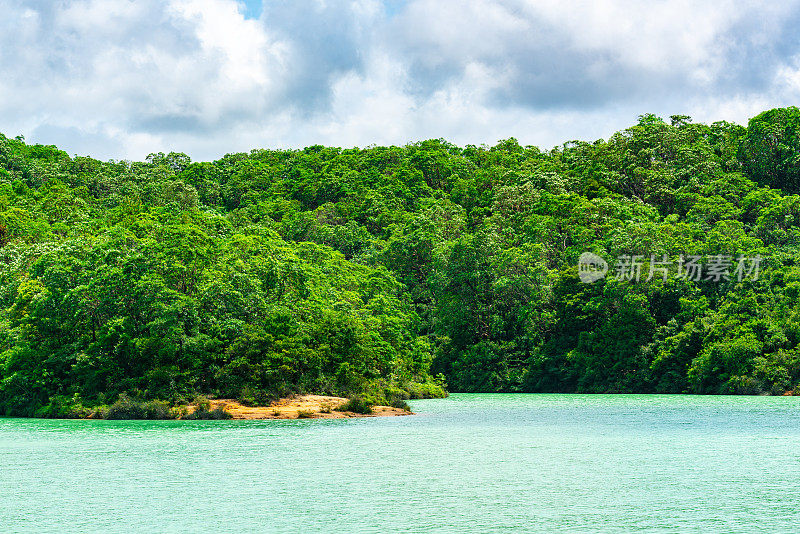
63 407
127 408
395 393
305 414
403 405
202 403
254 397
396 398
356 405
218 413
425 391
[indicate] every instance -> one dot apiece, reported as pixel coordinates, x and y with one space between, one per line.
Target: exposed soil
303 406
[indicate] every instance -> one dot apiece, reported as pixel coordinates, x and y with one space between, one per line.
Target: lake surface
470 463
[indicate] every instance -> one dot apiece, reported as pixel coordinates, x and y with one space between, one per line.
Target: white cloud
121 78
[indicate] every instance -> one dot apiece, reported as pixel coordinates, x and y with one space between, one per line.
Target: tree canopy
372 271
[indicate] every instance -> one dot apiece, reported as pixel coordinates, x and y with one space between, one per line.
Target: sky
119 79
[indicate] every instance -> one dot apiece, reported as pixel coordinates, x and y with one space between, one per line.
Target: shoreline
299 407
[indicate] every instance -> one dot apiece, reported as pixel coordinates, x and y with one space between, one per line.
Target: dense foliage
368 271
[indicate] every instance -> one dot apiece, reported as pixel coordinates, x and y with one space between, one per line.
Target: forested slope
369 271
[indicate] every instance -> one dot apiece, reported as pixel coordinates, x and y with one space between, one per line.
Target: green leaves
770 151
366 271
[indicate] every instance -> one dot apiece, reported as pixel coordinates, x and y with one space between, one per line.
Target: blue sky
122 78
252 9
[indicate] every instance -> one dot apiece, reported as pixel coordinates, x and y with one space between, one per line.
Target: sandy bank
305 406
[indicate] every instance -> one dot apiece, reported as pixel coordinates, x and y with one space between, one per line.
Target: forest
389 273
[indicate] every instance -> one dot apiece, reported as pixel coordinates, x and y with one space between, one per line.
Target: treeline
371 271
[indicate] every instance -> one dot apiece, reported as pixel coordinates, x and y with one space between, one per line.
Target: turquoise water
470 463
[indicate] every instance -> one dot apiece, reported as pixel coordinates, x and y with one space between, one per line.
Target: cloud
325 40
120 78
581 55
192 67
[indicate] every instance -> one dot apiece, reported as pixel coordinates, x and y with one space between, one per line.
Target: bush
356 405
305 414
202 403
202 412
63 407
127 408
394 392
401 404
425 391
254 397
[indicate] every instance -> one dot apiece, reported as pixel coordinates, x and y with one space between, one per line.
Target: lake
469 463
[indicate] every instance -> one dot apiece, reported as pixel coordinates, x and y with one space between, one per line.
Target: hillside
371 271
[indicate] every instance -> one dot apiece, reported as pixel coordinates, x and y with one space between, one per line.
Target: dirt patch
300 407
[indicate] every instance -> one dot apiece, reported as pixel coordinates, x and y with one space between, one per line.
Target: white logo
631 267
591 267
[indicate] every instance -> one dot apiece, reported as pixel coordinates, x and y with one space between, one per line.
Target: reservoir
468 463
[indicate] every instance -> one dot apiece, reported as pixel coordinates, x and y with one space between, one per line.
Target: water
470 463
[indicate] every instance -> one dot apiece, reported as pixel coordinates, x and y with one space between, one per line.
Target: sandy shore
309 406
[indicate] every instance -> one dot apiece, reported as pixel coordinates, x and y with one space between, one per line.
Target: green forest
389 273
